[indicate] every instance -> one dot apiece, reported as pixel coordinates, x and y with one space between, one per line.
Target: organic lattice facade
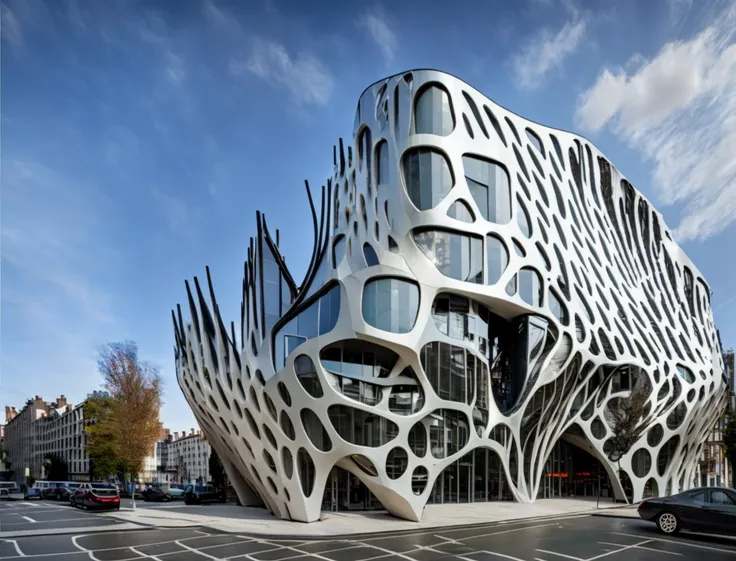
478 281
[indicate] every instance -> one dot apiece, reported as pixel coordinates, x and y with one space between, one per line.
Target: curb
131 526
387 533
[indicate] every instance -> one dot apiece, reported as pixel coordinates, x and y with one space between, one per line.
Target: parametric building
483 293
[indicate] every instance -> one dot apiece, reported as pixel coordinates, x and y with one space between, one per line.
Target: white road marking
559 554
410 534
503 555
677 542
28 518
147 556
178 542
642 547
17 547
619 550
466 538
448 540
386 551
75 544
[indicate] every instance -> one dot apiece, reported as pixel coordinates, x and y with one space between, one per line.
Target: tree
134 406
217 471
104 461
56 468
625 415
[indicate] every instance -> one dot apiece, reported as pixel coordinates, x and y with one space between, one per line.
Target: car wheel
668 523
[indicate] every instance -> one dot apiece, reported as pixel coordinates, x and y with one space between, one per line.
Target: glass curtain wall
478 476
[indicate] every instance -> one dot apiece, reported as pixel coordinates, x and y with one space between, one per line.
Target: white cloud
376 23
175 72
219 17
304 76
679 110
547 50
12 31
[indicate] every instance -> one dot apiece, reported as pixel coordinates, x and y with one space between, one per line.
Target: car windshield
204 489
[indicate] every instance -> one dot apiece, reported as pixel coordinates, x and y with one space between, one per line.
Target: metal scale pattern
477 281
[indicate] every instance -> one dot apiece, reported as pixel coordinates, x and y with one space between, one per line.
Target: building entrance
344 491
570 471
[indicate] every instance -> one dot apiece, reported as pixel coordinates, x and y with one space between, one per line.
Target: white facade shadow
478 281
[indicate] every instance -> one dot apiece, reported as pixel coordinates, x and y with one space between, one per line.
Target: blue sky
139 139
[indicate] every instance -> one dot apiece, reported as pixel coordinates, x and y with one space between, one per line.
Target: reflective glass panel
457 256
489 185
497 257
391 304
530 286
427 177
433 113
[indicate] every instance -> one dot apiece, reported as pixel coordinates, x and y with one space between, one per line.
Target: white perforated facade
481 287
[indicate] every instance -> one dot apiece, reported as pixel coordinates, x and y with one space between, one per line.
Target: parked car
60 491
97 496
704 509
33 493
198 494
155 494
175 490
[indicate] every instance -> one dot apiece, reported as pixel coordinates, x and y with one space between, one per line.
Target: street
40 515
579 538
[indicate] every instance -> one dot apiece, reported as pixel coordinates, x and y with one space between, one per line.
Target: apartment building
188 457
20 438
61 433
41 429
715 468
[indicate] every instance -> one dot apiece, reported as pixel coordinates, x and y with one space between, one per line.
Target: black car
155 494
706 509
198 494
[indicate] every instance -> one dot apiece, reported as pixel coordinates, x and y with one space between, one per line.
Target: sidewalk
246 520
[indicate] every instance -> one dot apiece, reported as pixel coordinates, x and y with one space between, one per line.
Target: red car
97 496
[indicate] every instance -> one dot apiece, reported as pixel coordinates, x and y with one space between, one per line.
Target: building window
497 258
457 256
390 304
427 176
530 286
316 319
382 163
489 185
433 111
358 359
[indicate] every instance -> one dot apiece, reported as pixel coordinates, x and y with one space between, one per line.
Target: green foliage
56 468
103 457
217 471
124 424
135 402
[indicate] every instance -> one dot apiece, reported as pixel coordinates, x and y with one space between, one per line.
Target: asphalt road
40 515
582 538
